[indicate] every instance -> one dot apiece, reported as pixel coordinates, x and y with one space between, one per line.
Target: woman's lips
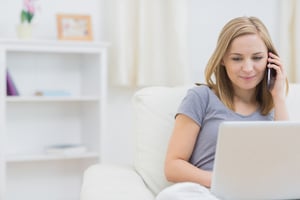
248 77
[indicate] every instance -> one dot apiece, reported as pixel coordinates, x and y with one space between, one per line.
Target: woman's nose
247 66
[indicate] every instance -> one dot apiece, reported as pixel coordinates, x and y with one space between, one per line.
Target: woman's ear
222 63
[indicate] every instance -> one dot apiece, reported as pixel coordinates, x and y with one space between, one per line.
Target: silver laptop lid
257 160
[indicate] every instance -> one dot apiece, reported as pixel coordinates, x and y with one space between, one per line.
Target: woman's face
245 61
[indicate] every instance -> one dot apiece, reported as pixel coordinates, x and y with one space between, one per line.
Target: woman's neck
245 102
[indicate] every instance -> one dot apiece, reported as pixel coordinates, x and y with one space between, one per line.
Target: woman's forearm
182 171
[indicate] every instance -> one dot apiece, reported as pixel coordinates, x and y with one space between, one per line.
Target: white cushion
154 109
293 101
113 182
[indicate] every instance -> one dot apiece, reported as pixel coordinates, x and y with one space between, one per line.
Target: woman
236 90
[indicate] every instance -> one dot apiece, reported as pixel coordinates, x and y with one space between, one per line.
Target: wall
206 18
45 20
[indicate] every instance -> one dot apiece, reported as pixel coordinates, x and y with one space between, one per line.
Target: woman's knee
182 191
168 193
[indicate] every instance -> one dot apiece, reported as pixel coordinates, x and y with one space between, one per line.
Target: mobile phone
271 75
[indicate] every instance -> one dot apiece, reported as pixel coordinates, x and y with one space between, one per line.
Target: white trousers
186 191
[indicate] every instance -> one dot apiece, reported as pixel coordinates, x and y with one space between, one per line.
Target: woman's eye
236 59
257 58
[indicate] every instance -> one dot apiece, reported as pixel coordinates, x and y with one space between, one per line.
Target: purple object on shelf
11 89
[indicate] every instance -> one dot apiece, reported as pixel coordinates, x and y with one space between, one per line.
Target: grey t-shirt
203 106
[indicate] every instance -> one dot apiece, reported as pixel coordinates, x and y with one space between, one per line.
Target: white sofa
154 109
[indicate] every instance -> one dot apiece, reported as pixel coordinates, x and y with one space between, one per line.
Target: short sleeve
194 104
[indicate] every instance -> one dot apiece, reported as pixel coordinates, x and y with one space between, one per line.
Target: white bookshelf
29 123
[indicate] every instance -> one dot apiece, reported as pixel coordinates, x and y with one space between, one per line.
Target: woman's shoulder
203 93
201 89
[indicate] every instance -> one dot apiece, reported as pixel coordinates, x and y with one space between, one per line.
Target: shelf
53 42
62 87
53 46
49 157
51 99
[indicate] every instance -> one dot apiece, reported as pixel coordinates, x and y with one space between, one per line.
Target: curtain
149 42
289 38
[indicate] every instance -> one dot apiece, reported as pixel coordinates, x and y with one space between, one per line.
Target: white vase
24 31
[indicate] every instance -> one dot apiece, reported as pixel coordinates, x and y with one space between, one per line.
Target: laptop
257 160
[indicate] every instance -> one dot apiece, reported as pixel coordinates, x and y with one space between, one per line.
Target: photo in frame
74 27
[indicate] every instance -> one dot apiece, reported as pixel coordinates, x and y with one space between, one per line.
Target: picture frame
74 27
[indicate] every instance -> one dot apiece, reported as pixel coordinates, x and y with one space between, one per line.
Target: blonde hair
215 73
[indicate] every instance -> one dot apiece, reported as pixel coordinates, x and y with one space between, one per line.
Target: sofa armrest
113 182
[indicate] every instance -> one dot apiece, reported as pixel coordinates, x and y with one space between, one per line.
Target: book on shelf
66 149
52 93
11 89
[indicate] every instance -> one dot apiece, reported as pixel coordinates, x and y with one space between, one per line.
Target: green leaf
29 16
26 16
23 16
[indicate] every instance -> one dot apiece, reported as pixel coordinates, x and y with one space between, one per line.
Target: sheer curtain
290 38
149 42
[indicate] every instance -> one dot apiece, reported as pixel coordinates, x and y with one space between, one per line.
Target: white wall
45 20
206 18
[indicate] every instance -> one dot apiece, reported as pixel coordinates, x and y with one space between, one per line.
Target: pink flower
28 11
29 6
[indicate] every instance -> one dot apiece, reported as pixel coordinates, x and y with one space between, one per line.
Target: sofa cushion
113 182
293 101
155 108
